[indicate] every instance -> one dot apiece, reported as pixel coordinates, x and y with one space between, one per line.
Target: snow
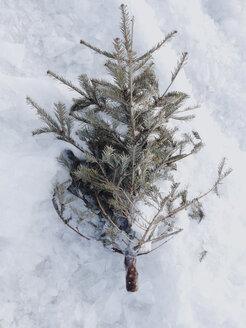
49 276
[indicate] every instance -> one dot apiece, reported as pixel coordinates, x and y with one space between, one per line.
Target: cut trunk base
131 273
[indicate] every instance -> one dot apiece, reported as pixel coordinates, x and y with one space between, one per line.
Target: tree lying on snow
124 146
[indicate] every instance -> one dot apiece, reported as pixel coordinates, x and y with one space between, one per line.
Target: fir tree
124 145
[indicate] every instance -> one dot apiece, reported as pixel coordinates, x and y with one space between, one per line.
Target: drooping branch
60 212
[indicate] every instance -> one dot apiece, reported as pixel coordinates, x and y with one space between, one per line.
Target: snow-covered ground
49 277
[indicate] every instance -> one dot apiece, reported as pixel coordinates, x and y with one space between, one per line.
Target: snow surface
49 276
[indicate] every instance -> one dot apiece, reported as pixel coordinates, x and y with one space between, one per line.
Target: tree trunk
131 273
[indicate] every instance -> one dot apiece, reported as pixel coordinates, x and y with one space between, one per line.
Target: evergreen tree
125 145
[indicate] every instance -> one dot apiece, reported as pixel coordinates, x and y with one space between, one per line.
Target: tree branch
111 221
64 220
158 46
153 249
174 75
68 83
99 51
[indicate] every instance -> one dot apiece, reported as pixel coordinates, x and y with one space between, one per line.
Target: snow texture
49 276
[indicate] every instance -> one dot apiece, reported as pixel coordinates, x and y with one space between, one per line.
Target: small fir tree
124 146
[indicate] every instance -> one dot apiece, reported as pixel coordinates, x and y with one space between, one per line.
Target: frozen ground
49 277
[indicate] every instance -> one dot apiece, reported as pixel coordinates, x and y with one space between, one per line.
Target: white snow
49 276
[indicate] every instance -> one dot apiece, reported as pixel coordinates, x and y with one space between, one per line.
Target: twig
142 241
73 142
145 253
158 46
117 250
64 220
68 83
99 51
180 65
165 236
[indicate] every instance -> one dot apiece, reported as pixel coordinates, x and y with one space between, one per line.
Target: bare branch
65 220
142 241
153 249
165 235
196 199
